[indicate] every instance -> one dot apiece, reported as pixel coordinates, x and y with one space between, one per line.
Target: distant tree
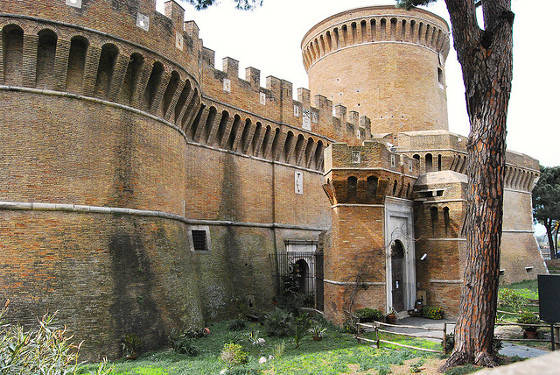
239 4
486 59
546 205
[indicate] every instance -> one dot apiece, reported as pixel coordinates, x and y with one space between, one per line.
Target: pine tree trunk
551 247
486 60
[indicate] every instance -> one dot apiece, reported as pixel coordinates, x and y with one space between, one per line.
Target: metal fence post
444 337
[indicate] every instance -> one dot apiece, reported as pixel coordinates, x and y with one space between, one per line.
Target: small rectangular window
393 161
199 238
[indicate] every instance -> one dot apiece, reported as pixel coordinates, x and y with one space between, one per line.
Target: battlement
439 150
377 24
367 173
276 101
134 22
126 53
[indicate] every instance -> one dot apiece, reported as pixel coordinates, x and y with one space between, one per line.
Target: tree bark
486 60
551 247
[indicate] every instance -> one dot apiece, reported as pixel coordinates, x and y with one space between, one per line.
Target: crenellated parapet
367 173
376 24
267 122
439 150
121 52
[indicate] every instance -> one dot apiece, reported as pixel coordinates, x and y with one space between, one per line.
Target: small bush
233 355
44 350
302 324
131 345
237 325
510 298
528 318
369 315
433 312
183 343
279 323
349 326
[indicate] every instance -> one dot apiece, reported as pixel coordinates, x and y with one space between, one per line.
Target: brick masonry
119 134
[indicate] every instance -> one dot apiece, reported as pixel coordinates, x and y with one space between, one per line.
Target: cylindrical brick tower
384 62
94 99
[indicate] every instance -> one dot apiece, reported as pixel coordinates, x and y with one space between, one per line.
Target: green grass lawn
528 288
332 355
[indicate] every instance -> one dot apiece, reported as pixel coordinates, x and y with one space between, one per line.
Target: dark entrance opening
397 275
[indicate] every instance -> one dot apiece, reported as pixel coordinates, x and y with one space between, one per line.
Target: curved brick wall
89 122
382 62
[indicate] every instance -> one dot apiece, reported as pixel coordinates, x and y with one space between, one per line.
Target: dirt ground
430 367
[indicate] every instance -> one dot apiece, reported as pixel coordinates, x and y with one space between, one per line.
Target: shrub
233 355
433 312
302 324
131 345
369 315
528 318
237 325
279 323
36 351
349 326
183 343
511 298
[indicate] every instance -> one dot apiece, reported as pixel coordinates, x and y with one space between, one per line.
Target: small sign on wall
74 3
306 119
298 179
227 85
262 97
179 41
143 21
356 157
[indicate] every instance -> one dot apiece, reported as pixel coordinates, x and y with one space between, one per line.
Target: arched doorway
302 276
398 275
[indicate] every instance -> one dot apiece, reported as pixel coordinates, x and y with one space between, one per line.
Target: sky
269 38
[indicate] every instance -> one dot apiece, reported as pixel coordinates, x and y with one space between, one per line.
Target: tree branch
466 33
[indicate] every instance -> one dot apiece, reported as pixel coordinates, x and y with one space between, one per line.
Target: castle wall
106 275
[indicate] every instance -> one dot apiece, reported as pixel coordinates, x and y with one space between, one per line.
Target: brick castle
142 189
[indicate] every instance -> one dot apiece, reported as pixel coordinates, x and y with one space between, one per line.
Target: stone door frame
398 210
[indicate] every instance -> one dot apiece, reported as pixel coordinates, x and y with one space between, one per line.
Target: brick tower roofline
375 24
376 8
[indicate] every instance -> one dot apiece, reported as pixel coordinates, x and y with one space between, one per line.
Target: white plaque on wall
143 21
298 179
306 119
227 85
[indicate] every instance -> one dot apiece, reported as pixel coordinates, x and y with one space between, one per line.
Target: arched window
372 186
428 163
46 51
12 48
153 85
352 187
131 77
76 63
170 91
434 217
105 69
